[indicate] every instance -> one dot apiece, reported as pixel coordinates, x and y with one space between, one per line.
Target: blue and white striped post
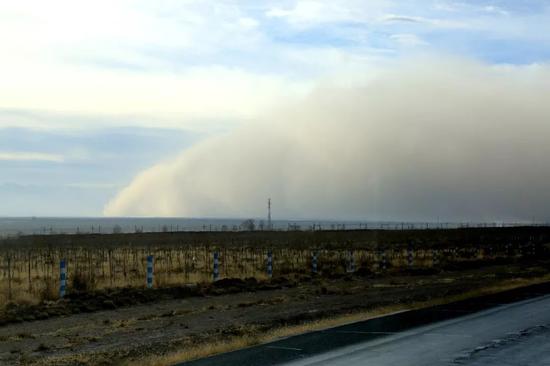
522 249
314 262
269 264
149 271
62 278
410 256
351 262
435 258
216 269
384 261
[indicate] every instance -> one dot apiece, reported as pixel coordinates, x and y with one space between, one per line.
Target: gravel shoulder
160 326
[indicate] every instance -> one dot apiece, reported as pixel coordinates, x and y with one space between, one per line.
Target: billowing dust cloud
449 139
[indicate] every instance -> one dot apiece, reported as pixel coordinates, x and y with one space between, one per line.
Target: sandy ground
111 337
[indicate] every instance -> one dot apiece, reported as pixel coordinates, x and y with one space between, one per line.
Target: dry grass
33 273
203 350
254 338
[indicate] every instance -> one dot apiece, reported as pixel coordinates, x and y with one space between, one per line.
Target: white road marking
284 348
390 333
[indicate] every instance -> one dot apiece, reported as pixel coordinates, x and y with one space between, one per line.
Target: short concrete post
314 262
62 278
435 258
216 269
351 262
269 264
149 271
384 260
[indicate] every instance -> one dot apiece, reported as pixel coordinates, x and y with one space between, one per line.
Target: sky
370 110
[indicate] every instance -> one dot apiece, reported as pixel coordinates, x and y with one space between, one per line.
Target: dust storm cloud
429 138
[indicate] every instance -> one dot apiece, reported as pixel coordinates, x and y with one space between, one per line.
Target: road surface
517 334
506 329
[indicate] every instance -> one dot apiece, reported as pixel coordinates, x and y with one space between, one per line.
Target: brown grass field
30 264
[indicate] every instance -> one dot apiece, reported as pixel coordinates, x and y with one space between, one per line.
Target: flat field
108 316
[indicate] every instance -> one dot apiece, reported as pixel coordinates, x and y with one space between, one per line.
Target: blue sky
93 93
78 170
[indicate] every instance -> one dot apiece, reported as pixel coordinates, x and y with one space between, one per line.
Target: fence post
384 260
216 270
62 278
351 262
435 258
410 261
149 271
314 262
269 264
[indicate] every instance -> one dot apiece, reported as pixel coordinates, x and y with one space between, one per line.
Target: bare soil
113 327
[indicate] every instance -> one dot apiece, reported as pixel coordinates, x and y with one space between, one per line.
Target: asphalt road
517 334
512 328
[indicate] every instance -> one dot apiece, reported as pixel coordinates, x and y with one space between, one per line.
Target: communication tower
269 227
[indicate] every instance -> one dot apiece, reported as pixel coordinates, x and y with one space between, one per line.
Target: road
506 329
517 334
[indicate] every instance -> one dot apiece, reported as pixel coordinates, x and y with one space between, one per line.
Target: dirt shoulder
163 325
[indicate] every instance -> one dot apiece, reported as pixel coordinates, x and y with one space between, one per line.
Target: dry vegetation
108 316
30 265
